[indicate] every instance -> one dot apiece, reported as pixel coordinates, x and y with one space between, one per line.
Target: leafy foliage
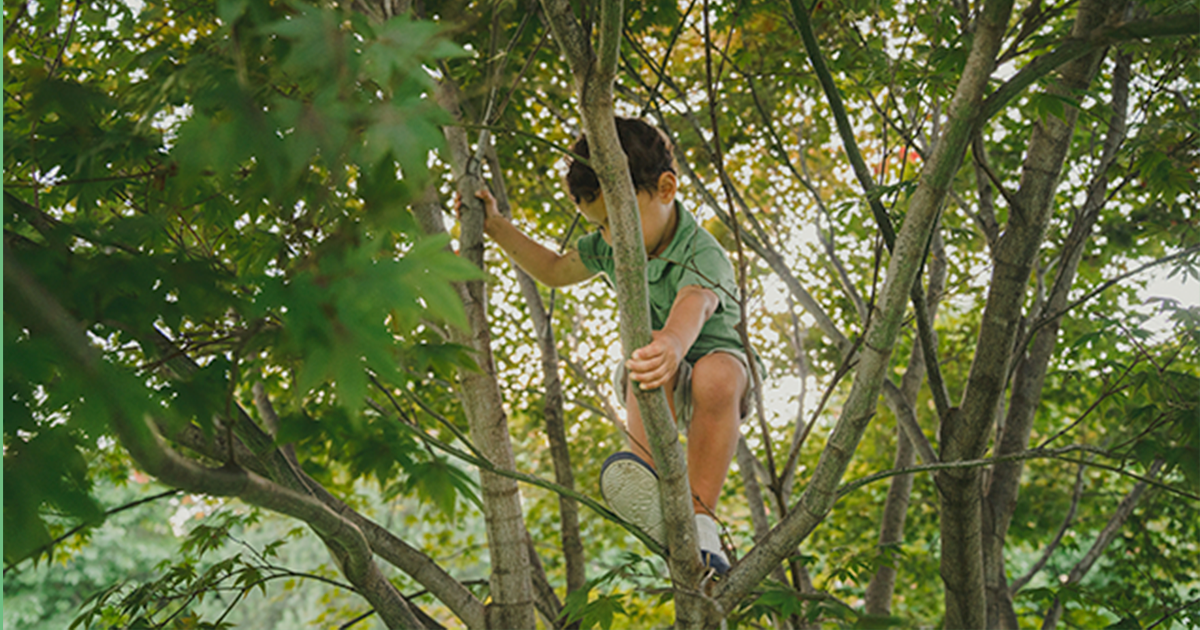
242 215
220 194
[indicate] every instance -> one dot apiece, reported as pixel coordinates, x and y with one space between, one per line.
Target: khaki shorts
683 388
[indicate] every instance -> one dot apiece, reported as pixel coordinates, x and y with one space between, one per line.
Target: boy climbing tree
696 355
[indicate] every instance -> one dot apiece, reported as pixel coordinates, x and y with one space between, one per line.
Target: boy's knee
718 379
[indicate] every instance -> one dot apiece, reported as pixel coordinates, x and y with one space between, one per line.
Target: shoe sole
630 487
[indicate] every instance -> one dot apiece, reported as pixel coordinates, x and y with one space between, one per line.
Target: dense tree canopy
234 287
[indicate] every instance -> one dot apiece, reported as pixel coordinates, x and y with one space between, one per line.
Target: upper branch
570 34
1076 47
611 20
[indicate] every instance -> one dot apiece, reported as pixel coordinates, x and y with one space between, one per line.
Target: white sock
708 533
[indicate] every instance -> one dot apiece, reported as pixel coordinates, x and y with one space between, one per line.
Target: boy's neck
668 233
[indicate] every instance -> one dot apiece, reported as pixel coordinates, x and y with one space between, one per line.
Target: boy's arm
545 265
654 364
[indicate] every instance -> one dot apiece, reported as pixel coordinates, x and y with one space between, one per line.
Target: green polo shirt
693 257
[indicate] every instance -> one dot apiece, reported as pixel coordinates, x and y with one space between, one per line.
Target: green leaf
438 482
601 611
47 471
230 10
1125 623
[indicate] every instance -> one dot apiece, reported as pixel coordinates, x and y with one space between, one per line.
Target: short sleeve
595 254
709 268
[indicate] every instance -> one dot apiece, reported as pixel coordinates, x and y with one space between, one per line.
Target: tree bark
1030 374
552 408
967 433
594 71
881 588
512 604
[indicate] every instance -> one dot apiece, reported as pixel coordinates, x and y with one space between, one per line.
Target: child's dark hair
649 154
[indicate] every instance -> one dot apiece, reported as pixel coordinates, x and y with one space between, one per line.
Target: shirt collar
676 251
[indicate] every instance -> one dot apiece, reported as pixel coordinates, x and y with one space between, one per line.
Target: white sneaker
630 487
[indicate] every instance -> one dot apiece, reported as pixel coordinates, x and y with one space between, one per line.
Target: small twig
719 159
848 363
1036 453
661 71
1020 582
82 526
1113 389
980 156
58 61
356 619
520 75
12 26
485 464
1173 612
91 180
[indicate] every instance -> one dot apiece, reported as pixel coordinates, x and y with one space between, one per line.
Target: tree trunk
594 71
965 436
552 409
512 594
895 510
1030 375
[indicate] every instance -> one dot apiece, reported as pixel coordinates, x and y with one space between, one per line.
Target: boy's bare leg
638 442
718 383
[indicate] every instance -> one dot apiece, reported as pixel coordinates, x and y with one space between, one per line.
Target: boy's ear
668 185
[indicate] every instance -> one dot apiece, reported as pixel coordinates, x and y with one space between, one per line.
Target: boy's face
657 210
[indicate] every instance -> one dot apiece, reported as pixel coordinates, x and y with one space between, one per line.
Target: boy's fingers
657 379
652 375
642 366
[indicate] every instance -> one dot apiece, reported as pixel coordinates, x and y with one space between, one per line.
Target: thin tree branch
1020 582
850 144
532 480
1074 48
743 331
1032 20
981 164
82 526
906 416
1037 453
845 131
1173 612
1106 285
517 80
1115 523
661 70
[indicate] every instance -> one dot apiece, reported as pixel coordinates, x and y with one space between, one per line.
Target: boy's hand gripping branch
655 364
